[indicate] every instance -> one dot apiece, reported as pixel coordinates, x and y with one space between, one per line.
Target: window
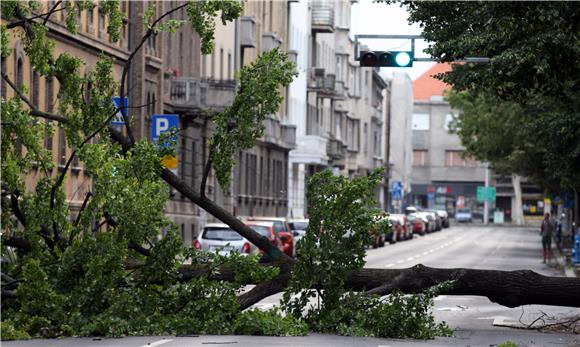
419 158
221 63
229 66
90 18
455 158
61 147
366 138
181 50
101 22
193 164
48 136
49 93
420 121
450 122
35 89
182 232
19 73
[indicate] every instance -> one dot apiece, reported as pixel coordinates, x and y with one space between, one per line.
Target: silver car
220 238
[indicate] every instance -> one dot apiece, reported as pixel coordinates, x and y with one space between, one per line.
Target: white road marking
424 253
390 265
400 262
410 258
157 343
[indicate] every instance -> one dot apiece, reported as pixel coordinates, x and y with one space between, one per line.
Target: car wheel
382 241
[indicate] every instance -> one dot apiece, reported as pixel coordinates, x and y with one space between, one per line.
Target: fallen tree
106 273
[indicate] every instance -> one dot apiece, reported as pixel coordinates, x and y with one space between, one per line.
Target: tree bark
507 288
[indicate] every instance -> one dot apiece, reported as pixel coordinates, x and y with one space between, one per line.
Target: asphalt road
476 321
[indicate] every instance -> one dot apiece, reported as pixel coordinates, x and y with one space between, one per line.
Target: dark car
444 217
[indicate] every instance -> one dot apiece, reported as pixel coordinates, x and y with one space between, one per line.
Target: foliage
258 96
533 49
342 215
11 333
508 344
201 13
270 323
75 280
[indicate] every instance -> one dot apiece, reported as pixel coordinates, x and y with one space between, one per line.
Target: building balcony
313 127
322 16
198 94
282 135
335 149
289 134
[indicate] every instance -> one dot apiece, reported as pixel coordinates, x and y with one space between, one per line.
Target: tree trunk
507 288
518 212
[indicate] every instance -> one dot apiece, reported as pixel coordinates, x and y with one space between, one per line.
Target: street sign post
397 190
164 123
486 193
118 118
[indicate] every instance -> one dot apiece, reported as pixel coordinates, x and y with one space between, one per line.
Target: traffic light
386 58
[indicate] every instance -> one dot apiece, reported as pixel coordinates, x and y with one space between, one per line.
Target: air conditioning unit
293 56
247 32
270 41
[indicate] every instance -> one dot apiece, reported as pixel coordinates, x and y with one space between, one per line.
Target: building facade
91 39
442 177
400 141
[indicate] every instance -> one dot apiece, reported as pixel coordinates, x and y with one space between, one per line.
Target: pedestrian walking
547 230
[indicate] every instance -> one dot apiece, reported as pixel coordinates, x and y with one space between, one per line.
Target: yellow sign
169 162
547 201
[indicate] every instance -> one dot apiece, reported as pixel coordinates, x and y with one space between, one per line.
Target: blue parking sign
162 123
118 118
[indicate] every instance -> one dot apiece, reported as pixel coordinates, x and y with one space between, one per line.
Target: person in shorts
547 230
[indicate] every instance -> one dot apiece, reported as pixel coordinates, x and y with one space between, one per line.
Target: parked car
266 229
444 217
410 209
419 224
464 215
380 236
437 218
220 238
429 221
402 226
284 232
298 227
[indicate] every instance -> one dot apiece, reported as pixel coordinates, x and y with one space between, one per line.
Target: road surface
475 320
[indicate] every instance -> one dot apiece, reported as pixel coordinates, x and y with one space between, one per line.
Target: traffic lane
477 247
479 337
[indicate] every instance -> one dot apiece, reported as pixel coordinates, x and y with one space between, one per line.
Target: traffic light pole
412 38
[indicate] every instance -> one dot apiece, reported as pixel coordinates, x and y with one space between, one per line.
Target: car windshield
463 210
260 229
279 227
299 225
221 234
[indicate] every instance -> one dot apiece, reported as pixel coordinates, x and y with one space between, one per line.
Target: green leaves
258 96
517 106
201 13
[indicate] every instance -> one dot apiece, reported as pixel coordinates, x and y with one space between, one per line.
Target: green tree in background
520 111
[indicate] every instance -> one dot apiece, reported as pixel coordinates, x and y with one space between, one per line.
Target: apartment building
92 39
400 141
339 108
441 176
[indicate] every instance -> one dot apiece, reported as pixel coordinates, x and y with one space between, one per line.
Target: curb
561 261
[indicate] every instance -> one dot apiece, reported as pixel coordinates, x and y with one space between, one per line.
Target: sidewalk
569 269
